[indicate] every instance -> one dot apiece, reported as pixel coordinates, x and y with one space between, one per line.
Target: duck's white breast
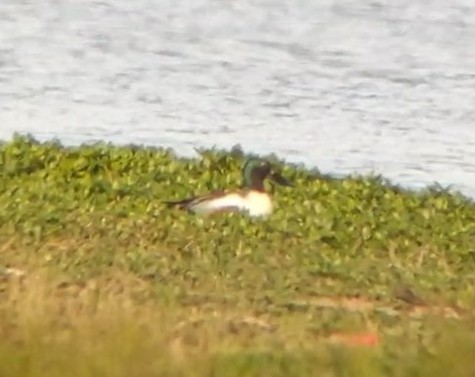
258 203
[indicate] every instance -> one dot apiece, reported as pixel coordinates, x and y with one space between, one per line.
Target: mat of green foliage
99 278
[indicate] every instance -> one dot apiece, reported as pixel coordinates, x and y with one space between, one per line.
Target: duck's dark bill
277 178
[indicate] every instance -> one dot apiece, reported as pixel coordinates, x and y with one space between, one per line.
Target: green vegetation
99 278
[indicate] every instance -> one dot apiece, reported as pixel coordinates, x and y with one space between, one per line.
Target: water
347 86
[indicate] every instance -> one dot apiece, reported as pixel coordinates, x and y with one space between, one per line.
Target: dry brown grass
109 327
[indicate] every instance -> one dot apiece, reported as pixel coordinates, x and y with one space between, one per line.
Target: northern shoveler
252 198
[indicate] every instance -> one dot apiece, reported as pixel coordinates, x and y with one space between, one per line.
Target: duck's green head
256 170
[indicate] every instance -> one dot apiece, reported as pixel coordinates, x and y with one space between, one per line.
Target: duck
251 199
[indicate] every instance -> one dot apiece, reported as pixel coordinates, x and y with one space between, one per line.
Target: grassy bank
349 277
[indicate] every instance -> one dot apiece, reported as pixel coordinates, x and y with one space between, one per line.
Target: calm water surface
347 86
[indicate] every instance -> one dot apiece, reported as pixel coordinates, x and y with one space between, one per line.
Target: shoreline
416 187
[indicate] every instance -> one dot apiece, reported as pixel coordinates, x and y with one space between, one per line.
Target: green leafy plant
98 277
